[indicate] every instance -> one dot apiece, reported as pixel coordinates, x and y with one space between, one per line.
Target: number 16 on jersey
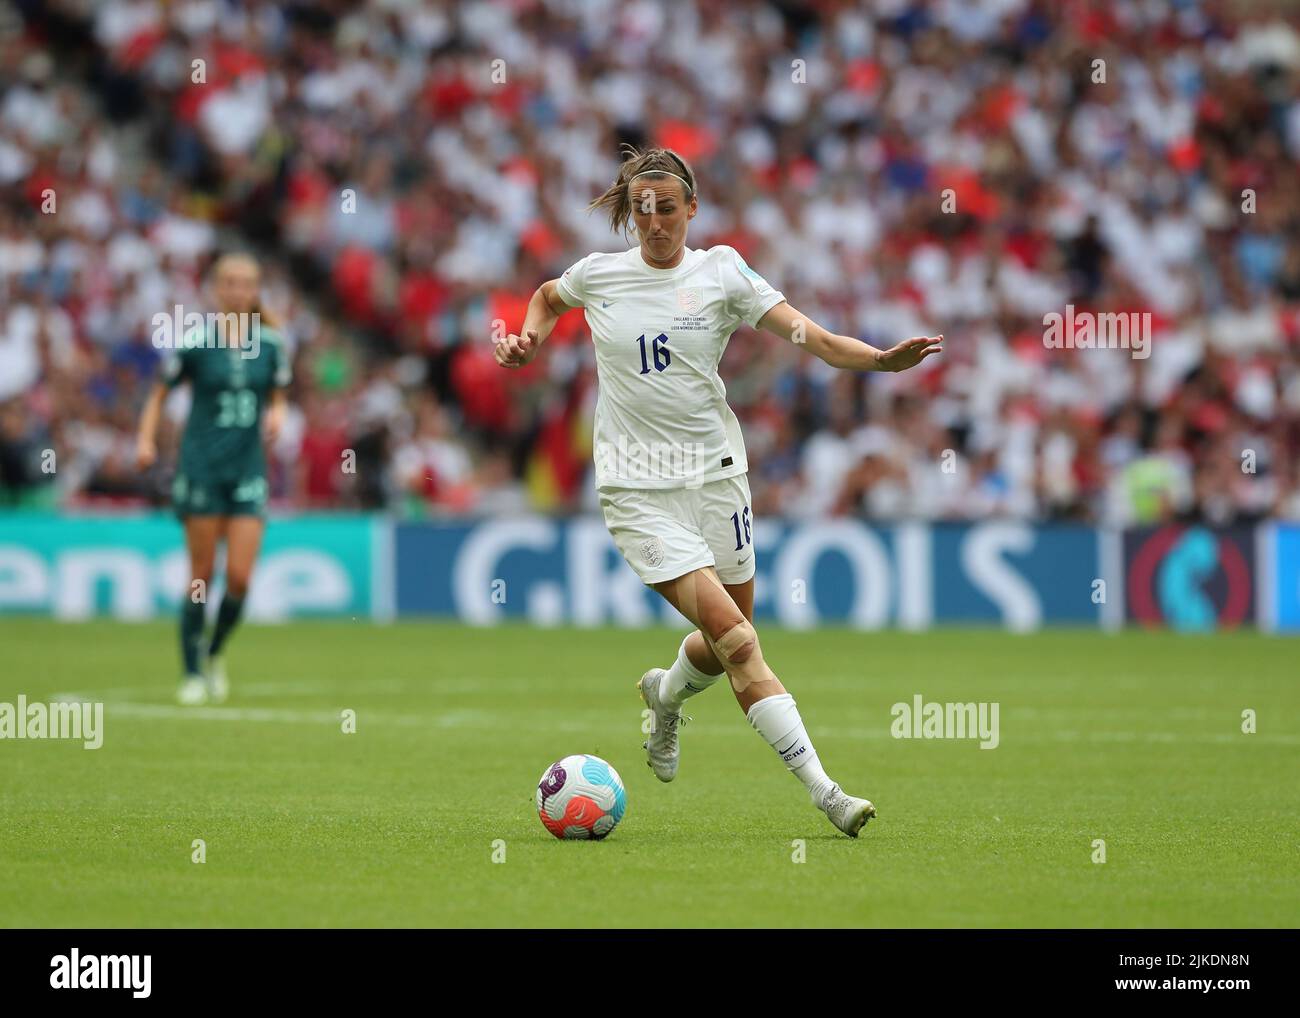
659 348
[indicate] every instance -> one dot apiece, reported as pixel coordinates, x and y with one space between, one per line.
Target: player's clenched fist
516 351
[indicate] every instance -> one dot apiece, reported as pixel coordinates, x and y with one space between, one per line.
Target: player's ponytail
655 162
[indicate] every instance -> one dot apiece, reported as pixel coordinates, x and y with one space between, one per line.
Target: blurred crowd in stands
409 172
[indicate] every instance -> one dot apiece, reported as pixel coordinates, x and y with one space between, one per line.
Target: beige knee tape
741 673
687 592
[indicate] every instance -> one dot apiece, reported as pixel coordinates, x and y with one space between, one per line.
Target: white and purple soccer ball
581 797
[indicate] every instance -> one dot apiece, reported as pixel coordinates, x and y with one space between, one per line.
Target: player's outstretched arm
544 310
845 351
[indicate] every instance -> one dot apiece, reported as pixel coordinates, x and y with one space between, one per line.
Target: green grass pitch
1132 738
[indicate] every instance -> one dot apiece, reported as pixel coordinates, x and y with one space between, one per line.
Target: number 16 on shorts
744 536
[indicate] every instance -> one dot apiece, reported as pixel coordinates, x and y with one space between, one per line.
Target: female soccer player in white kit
670 460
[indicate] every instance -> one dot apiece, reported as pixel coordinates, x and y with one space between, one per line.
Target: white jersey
662 419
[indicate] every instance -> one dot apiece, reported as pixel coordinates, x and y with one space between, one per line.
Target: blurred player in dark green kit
237 368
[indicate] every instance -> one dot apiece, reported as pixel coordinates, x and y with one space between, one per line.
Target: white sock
684 680
776 719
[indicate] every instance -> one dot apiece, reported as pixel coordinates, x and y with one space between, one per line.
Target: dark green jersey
230 387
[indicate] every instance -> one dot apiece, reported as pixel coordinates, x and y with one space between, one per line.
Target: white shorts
664 534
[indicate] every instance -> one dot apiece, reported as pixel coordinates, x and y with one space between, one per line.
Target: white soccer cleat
849 813
218 684
661 748
193 691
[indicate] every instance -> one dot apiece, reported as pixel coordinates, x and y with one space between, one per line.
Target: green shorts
200 497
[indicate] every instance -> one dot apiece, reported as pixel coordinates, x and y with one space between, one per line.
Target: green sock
227 617
191 634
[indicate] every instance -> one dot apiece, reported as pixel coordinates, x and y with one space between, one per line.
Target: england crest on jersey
689 300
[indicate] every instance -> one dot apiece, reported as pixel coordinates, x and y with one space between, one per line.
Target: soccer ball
581 797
